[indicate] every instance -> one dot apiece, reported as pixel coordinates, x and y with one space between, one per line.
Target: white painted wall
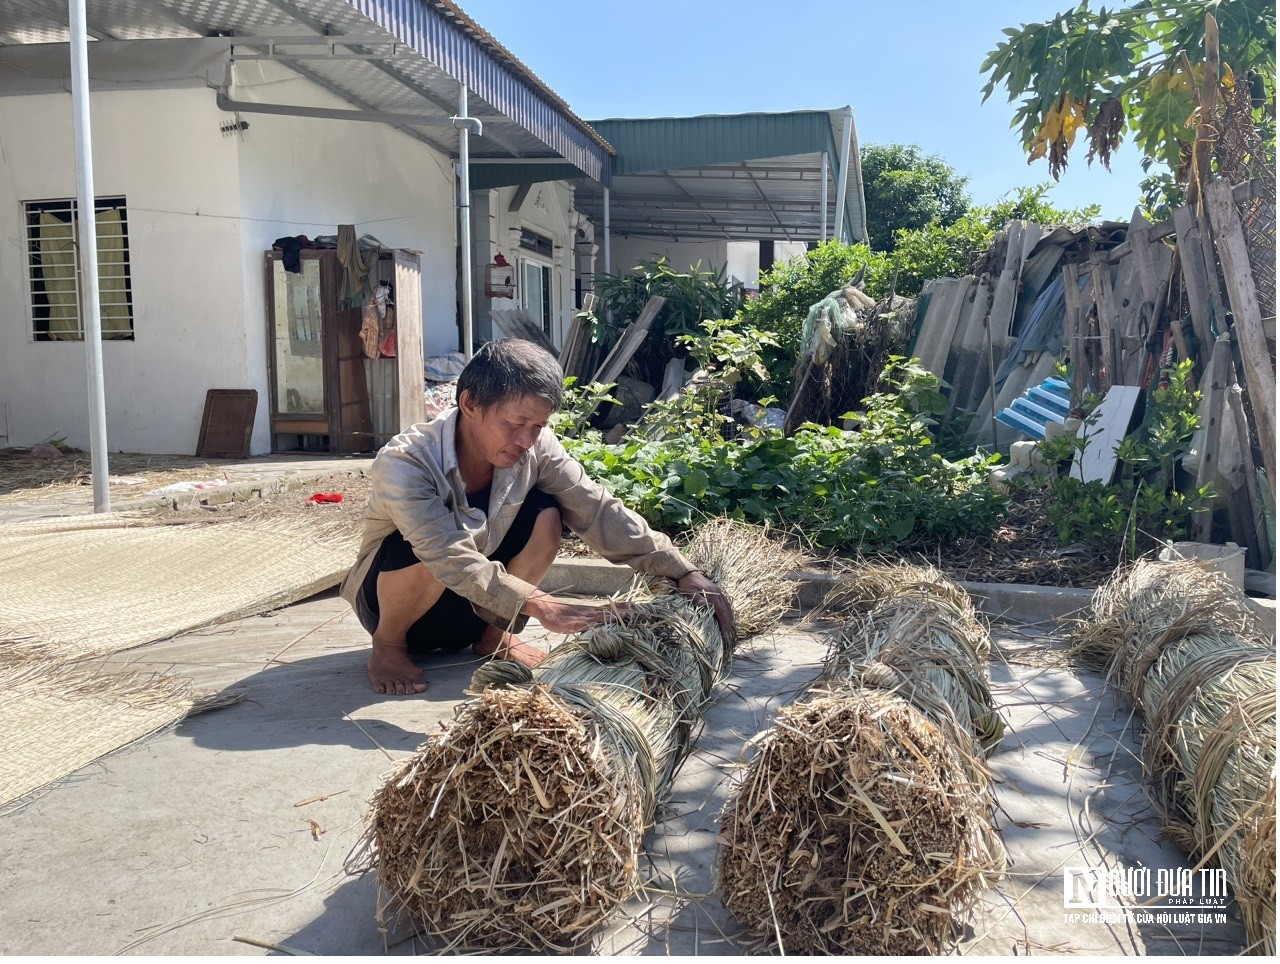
627 252
202 210
163 152
744 259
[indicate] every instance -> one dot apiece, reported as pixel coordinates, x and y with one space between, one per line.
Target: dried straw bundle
1182 642
751 566
865 823
521 825
863 826
1256 889
934 653
1151 602
860 589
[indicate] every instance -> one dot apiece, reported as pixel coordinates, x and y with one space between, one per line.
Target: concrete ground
244 477
235 824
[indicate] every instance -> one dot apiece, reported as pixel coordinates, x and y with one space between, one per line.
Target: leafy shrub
692 297
1145 507
880 485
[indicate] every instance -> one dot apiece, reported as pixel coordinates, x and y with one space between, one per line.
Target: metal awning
733 177
404 59
725 177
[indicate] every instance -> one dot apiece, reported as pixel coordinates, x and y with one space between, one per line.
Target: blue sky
908 67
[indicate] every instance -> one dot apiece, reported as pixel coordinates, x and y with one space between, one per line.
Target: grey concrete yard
235 824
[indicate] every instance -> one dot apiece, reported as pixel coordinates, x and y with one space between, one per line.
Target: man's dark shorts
451 624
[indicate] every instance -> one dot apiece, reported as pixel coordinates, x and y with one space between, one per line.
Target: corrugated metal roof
731 177
522 118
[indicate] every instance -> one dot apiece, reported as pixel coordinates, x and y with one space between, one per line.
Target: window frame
41 308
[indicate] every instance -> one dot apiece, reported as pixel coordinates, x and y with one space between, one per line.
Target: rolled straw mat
55 719
93 585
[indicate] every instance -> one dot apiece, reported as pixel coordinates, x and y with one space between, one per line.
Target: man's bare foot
509 647
392 671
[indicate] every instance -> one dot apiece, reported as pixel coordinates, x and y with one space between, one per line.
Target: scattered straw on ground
24 477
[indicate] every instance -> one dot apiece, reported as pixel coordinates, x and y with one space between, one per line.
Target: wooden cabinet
326 395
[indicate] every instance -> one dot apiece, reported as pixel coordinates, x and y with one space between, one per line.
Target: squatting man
465 518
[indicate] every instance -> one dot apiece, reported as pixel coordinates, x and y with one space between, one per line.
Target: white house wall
681 255
546 208
302 175
163 152
202 208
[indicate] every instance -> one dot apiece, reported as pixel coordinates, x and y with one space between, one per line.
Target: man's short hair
509 369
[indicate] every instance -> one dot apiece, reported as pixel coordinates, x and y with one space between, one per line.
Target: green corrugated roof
676 143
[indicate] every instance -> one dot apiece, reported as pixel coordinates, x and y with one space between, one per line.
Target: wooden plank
1073 330
571 350
1260 540
1219 378
1097 463
1260 373
411 406
630 342
1104 301
1194 277
227 426
1127 296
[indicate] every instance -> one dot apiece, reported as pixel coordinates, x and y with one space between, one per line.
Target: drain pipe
465 126
91 306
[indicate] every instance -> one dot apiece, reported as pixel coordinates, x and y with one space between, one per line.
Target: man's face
502 433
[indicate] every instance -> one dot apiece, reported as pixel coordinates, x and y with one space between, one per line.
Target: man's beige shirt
418 489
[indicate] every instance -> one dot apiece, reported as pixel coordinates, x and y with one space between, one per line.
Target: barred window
53 269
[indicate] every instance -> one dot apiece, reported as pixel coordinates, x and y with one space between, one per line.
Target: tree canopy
906 190
1138 69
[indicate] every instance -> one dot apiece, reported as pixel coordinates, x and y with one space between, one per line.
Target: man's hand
563 617
704 592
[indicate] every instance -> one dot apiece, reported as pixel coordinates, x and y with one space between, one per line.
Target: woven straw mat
55 719
84 586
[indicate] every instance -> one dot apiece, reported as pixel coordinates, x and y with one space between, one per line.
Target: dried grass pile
520 826
1182 642
864 824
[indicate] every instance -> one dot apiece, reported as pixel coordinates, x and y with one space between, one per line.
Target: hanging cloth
355 268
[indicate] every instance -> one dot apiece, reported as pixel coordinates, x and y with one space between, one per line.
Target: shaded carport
792 176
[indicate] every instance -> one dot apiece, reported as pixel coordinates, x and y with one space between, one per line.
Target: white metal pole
826 172
464 221
608 252
842 184
87 247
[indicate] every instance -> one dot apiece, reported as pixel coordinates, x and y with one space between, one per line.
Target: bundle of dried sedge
517 827
520 826
1183 644
862 826
752 566
1256 889
1149 603
858 589
865 823
936 653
